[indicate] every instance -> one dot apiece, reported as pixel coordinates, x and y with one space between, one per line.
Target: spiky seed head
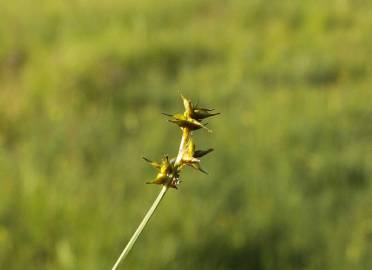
191 120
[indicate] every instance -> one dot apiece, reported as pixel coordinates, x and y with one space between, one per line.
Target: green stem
150 212
141 226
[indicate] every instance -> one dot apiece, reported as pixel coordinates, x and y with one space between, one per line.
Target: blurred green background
82 87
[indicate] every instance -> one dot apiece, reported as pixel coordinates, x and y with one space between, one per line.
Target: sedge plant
169 169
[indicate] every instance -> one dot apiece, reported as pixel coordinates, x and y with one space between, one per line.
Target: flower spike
169 170
190 120
196 112
166 172
191 157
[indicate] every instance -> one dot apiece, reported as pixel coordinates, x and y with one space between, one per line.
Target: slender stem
133 239
141 226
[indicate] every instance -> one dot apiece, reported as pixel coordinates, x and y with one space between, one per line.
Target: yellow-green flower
184 121
167 175
196 112
191 156
192 117
191 120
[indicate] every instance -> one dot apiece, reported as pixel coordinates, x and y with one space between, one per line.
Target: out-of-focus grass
82 86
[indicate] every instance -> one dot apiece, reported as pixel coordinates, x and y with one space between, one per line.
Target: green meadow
82 88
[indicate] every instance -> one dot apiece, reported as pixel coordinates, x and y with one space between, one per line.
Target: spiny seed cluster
169 169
